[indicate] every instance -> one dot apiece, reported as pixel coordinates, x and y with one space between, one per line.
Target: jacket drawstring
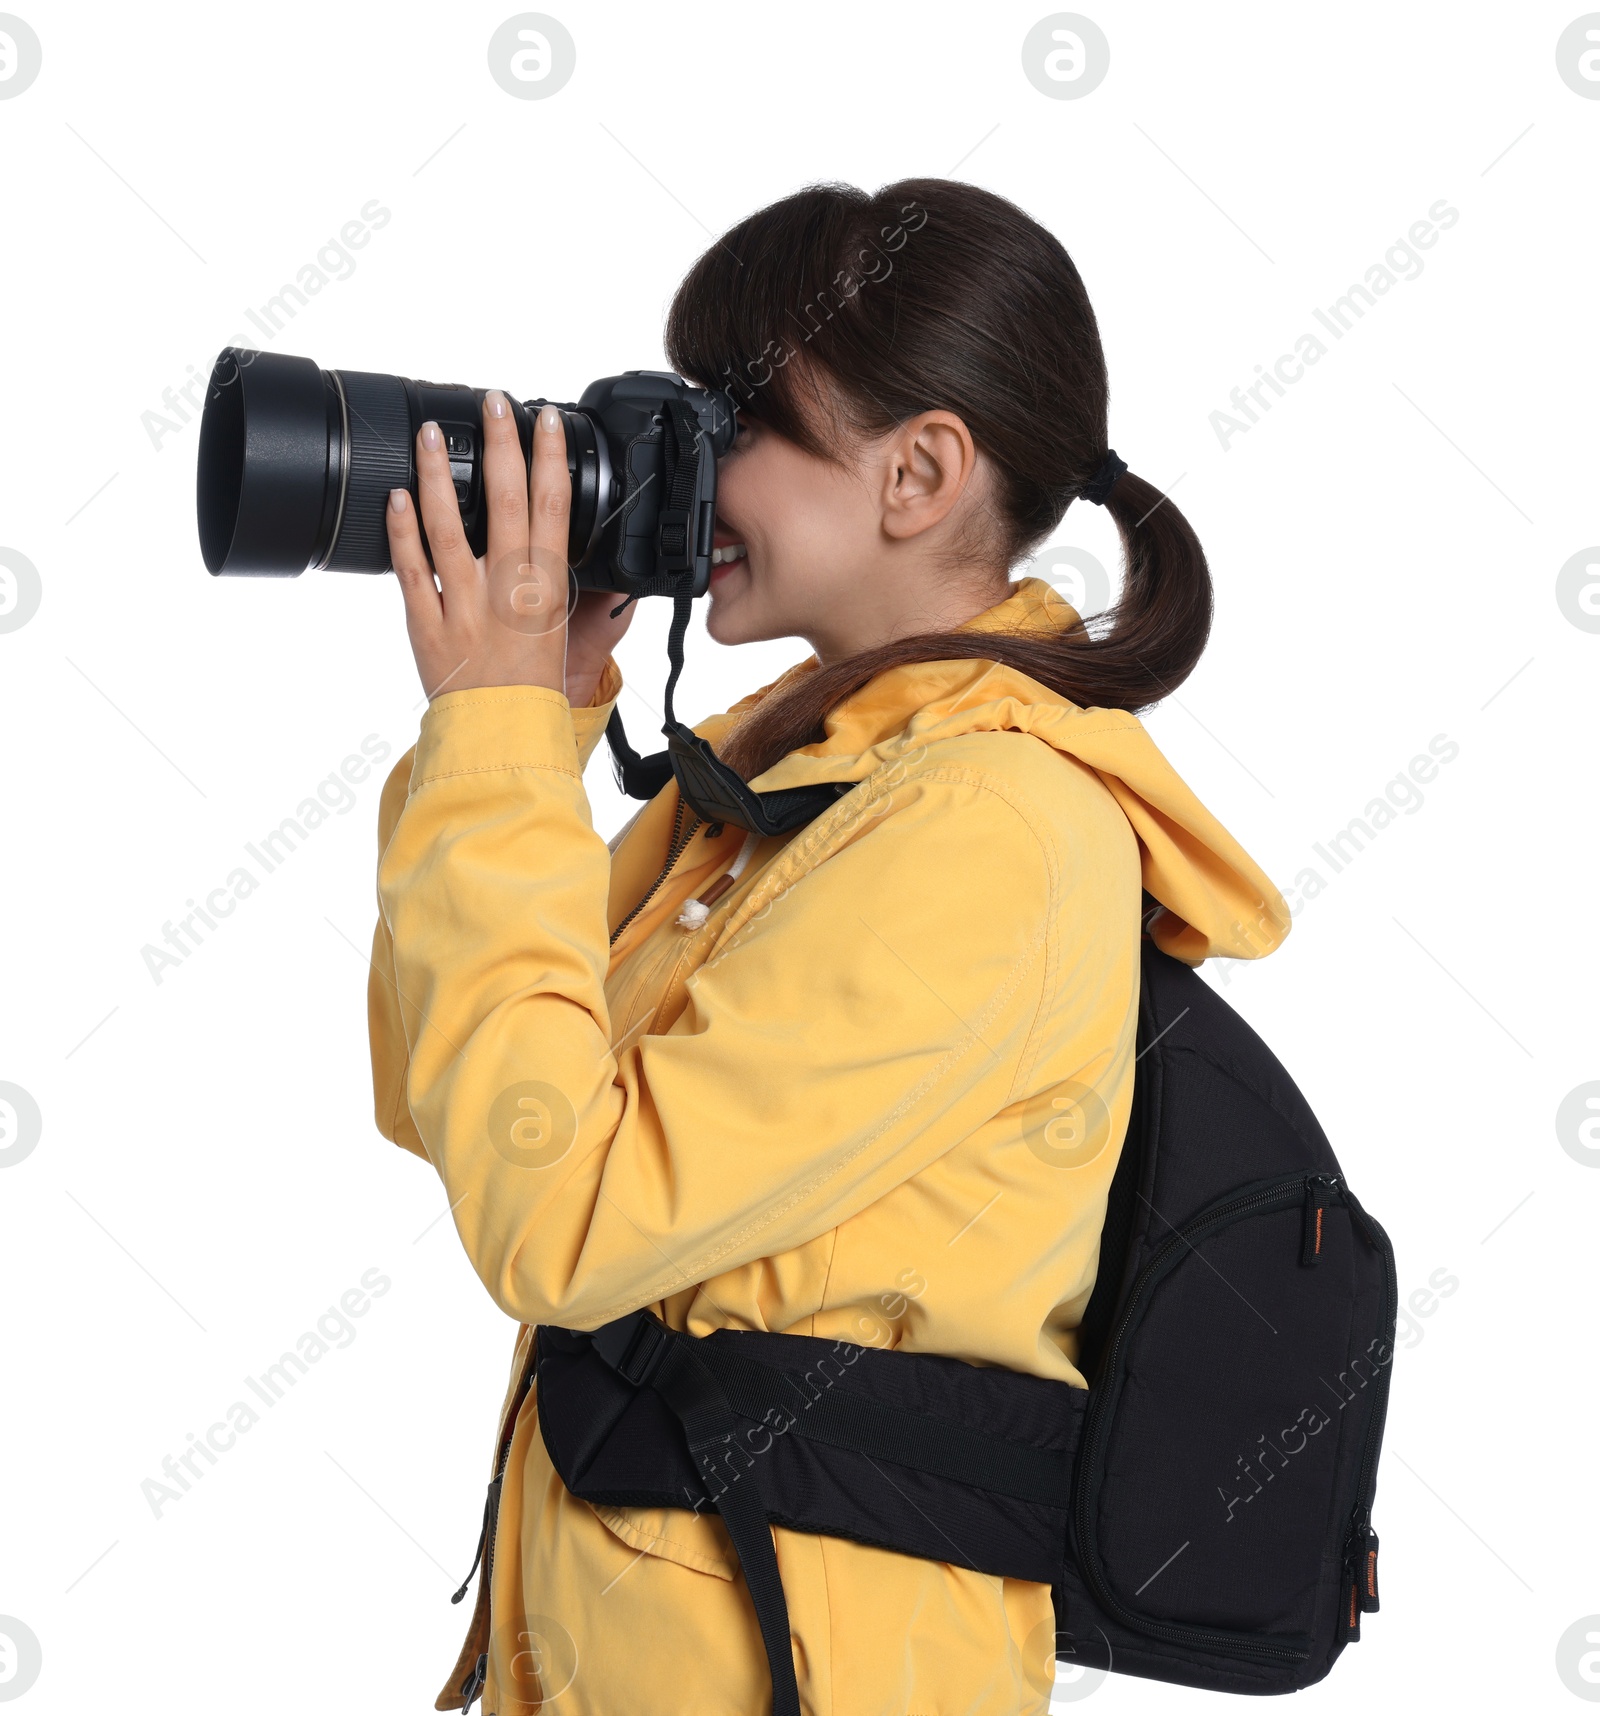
695 912
483 1537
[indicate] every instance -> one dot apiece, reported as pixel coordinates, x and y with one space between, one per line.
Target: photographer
865 1081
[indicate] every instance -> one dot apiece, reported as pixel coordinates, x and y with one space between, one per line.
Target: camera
296 464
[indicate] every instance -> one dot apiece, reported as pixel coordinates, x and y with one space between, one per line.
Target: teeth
721 556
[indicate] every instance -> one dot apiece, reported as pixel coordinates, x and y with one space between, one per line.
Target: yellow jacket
877 1096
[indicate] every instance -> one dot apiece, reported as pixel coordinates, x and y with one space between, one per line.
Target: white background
1385 545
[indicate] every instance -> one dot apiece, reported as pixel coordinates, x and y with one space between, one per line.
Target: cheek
788 505
739 493
802 503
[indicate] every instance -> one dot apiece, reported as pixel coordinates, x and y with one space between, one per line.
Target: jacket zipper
473 1684
675 850
1284 1194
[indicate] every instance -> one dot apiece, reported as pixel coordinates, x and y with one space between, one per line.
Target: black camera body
296 464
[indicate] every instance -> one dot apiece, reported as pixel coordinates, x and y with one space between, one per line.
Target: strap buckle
633 1346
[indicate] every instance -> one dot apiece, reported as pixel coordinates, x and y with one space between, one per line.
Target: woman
867 1080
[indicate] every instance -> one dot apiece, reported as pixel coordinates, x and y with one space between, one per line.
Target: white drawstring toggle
695 912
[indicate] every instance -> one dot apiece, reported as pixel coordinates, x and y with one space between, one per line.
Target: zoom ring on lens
379 459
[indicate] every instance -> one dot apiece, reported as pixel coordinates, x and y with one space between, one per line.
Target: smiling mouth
726 556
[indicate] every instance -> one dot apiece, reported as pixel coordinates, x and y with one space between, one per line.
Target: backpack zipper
675 850
1321 1192
1282 1195
1361 1541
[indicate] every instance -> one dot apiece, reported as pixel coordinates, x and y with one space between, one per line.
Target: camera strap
681 451
712 789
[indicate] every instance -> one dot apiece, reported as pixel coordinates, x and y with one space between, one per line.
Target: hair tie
1102 482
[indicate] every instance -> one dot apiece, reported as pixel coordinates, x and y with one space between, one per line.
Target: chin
724 623
722 627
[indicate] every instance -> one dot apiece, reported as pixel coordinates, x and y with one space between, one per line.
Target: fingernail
397 500
549 419
430 436
496 401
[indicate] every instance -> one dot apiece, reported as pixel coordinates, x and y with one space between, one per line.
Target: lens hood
262 480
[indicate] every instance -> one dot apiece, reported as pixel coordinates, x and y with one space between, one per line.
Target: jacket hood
1216 899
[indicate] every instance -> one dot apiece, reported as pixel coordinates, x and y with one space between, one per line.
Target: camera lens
296 462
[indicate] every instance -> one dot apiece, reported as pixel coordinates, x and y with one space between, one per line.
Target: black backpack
1202 1512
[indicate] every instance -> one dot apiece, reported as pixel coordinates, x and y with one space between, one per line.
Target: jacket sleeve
843 1034
384 1031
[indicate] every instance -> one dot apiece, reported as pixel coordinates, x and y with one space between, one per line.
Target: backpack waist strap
929 1456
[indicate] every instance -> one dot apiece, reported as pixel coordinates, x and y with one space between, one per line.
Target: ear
928 464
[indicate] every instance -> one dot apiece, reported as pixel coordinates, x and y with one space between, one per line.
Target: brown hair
933 294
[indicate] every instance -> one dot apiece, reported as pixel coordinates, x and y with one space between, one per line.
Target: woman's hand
592 634
502 618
